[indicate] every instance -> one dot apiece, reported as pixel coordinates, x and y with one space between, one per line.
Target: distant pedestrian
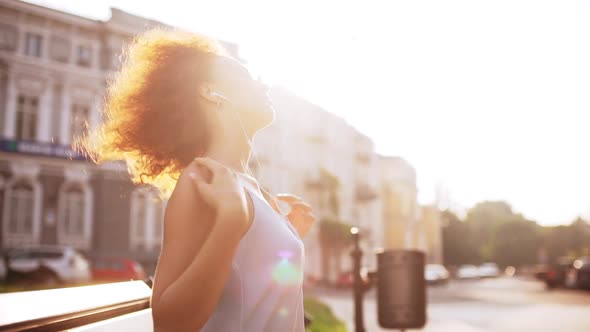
183 114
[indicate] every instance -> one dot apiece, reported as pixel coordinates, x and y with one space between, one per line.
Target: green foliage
323 320
335 238
483 220
458 245
516 243
334 232
493 232
571 240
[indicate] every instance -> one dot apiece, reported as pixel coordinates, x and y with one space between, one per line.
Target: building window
73 212
140 218
159 208
74 215
84 56
33 44
147 215
115 60
79 120
27 109
20 216
60 49
22 204
8 37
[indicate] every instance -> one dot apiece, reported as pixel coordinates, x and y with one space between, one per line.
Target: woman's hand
222 192
300 216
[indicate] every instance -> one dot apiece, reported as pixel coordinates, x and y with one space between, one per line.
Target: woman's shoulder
185 195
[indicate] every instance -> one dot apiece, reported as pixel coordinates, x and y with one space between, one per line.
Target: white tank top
264 289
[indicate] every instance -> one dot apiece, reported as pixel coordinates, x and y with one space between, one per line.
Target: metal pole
358 288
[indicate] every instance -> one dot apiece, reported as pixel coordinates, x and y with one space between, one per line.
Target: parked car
468 272
488 270
540 271
578 275
116 269
345 279
45 264
436 274
554 275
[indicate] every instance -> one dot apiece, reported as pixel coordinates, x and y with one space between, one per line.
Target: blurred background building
399 193
53 71
317 155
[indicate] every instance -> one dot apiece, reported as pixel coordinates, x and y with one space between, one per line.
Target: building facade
406 224
53 72
399 194
428 234
304 144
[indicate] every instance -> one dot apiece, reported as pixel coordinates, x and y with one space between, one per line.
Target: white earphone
224 98
218 95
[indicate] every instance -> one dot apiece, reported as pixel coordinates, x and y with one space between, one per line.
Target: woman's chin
260 117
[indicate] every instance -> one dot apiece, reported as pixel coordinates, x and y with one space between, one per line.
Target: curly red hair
152 116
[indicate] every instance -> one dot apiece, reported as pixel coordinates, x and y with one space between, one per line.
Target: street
491 305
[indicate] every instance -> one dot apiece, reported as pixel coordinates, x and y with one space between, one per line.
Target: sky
488 100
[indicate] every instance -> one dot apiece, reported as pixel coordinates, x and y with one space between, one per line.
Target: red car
117 269
346 280
555 275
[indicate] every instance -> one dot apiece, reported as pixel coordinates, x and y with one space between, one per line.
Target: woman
182 115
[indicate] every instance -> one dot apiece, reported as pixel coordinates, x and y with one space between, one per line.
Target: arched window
147 214
75 215
22 206
20 217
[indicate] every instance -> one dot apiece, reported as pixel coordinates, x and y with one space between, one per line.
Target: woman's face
244 94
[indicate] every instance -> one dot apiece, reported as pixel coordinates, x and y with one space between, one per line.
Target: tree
486 220
334 233
492 231
516 243
571 240
483 219
458 247
579 231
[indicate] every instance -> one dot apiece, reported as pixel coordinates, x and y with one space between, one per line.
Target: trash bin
401 289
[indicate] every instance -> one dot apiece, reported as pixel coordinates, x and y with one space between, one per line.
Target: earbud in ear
218 95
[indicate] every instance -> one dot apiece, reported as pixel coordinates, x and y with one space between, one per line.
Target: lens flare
283 312
286 273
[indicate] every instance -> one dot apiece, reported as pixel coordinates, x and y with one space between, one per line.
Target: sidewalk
343 309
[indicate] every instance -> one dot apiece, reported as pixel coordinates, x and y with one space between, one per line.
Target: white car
489 270
436 274
468 272
50 264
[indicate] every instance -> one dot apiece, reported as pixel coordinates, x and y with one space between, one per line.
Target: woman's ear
206 92
209 93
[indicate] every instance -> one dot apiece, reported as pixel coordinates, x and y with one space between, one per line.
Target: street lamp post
358 287
401 288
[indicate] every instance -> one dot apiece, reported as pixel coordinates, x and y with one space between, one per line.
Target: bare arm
198 247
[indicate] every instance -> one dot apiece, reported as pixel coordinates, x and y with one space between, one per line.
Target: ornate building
53 72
